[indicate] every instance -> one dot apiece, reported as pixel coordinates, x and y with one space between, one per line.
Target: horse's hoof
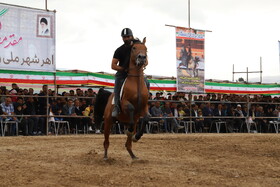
135 158
129 134
134 139
105 158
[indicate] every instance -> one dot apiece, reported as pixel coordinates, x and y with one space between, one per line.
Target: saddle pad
121 92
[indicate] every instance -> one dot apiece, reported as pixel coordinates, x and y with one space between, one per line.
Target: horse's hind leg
107 128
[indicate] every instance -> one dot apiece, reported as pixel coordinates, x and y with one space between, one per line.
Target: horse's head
139 53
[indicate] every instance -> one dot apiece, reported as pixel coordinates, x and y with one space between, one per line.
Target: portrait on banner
44 26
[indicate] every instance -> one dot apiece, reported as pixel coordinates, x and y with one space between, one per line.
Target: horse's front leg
143 124
130 111
128 146
130 129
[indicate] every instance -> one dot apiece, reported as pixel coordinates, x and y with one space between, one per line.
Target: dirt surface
165 160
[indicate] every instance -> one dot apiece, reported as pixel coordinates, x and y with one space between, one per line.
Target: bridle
138 68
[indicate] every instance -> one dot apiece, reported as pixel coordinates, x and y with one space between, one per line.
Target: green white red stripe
68 78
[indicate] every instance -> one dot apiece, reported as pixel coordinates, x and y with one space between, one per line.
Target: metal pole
232 72
247 75
189 13
47 118
261 69
55 85
46 4
279 53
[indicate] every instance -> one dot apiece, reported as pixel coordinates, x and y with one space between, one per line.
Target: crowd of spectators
205 109
29 109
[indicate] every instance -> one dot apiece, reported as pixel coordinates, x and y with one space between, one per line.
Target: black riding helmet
126 32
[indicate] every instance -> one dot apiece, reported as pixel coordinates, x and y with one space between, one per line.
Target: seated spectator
270 113
1 113
238 112
169 123
8 109
89 111
77 122
198 120
181 113
157 112
276 113
25 124
252 114
219 111
207 111
69 110
261 122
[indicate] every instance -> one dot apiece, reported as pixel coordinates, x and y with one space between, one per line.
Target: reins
140 75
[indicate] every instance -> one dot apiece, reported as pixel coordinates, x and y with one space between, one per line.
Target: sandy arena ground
165 160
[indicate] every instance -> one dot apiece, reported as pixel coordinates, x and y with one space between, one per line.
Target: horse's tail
99 106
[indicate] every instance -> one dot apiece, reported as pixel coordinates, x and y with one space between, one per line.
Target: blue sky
88 32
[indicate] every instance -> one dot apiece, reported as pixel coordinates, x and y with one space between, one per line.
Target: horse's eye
133 48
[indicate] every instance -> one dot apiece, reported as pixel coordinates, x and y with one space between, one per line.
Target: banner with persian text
190 60
27 39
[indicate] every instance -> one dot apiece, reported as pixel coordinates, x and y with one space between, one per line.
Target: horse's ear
144 40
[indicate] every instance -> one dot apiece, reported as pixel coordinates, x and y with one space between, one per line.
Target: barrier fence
188 121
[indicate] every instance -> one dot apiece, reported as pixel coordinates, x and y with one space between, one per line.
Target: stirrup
116 111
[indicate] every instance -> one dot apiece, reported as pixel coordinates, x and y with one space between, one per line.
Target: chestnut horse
134 101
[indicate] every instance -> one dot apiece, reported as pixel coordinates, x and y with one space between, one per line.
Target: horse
133 104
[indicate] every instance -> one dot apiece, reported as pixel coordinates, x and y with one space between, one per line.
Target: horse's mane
136 41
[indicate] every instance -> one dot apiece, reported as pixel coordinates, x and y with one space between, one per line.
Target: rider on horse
120 63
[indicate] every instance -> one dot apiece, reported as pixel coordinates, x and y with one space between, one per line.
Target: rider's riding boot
116 111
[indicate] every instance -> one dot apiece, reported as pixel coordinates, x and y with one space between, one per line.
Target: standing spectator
91 95
2 99
31 109
158 96
15 88
31 91
42 110
150 96
25 92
